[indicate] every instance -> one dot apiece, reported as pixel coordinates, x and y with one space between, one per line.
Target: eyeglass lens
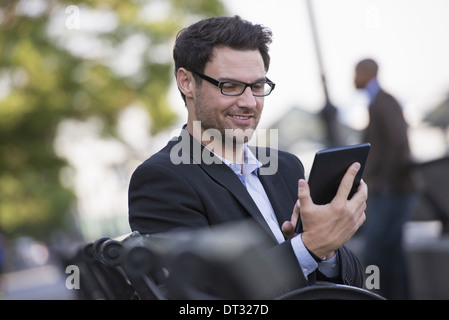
237 88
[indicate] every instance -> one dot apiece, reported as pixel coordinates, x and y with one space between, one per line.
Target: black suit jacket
164 196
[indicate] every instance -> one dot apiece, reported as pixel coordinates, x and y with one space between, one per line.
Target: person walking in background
392 189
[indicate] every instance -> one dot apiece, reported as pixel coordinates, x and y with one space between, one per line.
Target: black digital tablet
328 168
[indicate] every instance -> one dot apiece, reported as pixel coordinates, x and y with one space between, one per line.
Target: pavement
39 283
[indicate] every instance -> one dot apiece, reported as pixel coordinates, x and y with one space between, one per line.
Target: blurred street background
87 94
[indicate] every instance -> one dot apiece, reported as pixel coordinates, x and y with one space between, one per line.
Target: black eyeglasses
236 88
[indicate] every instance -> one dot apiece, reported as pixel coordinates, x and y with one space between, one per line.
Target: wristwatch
314 256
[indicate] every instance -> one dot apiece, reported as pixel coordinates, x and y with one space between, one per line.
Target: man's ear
186 82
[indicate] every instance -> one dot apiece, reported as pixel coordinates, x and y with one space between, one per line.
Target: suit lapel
224 176
277 193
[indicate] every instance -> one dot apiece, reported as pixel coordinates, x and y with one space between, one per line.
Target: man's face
217 111
361 77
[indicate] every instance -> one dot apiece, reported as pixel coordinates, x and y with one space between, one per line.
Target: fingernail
301 183
357 166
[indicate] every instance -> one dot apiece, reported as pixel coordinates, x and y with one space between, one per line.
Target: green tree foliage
62 59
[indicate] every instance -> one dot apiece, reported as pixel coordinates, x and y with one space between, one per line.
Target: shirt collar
250 162
372 88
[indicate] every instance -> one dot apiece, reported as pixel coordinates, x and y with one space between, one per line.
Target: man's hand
288 227
328 227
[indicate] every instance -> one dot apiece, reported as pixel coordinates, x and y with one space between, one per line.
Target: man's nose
246 99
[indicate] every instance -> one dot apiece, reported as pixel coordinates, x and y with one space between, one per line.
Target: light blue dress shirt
249 177
372 88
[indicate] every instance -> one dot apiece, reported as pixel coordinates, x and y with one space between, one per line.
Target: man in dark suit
388 172
209 176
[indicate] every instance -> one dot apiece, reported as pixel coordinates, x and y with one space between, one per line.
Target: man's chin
239 136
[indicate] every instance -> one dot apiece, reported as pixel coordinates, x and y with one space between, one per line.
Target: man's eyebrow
221 79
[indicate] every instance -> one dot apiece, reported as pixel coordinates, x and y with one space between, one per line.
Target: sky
408 38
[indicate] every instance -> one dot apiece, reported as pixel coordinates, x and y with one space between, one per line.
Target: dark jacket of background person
388 169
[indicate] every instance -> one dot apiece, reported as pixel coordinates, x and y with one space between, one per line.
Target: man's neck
225 148
222 145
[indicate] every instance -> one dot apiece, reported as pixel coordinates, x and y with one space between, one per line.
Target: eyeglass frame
220 84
